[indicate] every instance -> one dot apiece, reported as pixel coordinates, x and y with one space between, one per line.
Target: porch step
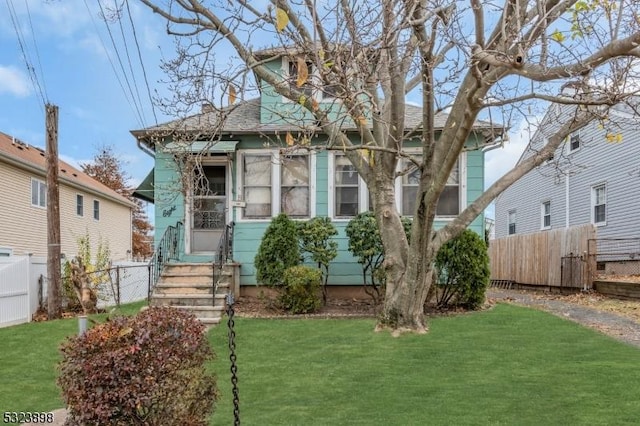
209 315
186 299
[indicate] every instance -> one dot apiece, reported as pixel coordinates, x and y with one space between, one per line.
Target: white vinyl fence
19 277
23 287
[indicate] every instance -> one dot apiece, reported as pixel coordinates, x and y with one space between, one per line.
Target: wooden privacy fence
537 259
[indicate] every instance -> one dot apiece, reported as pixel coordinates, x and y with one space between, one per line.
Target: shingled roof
244 118
29 157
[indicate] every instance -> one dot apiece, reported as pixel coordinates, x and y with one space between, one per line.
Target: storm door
208 209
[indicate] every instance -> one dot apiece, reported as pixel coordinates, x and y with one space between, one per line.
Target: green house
235 174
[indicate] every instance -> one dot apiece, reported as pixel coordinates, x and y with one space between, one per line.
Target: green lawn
510 365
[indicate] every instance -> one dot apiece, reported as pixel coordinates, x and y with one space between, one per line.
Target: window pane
547 221
412 178
79 205
96 210
295 170
454 177
306 88
295 201
599 213
346 173
210 180
258 202
449 202
346 201
34 192
547 208
43 194
257 170
600 195
409 194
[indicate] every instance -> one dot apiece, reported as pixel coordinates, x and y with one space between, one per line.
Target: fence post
118 286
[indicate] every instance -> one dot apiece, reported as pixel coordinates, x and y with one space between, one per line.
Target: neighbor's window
294 185
574 142
96 209
449 202
38 193
546 215
599 204
79 205
257 185
512 222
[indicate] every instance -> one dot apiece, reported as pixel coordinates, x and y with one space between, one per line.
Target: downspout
566 195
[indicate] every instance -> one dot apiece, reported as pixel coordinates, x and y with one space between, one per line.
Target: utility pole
54 307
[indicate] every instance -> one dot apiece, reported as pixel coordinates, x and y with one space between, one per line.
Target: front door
208 209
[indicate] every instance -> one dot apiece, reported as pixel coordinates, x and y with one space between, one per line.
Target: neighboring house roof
29 157
244 118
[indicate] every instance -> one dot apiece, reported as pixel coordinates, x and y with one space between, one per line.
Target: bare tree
475 61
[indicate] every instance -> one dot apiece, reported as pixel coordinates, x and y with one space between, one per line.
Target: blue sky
75 63
70 50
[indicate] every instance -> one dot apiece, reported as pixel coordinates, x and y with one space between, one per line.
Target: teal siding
169 201
322 183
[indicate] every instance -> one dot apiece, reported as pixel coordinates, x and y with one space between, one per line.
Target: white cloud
501 160
14 81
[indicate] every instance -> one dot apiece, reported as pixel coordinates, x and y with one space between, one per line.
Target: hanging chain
232 357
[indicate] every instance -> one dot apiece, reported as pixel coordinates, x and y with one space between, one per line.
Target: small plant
301 287
316 240
142 370
85 278
278 251
462 271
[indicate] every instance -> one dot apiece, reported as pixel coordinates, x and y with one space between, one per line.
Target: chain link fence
120 284
615 257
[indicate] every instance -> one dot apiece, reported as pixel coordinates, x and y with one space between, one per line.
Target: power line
113 67
35 45
25 56
133 76
144 71
124 73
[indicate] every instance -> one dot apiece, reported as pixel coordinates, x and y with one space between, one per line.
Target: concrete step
203 312
173 288
186 299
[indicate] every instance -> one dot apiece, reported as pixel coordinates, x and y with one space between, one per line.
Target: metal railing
225 253
168 249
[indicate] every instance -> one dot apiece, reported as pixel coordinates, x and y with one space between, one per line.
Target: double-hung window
257 185
272 185
294 74
574 142
546 215
512 222
449 202
599 204
294 185
96 209
346 188
38 193
79 205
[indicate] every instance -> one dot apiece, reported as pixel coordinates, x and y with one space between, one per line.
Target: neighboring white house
86 206
594 177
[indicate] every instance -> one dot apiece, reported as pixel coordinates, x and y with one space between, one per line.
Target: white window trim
363 193
275 183
568 142
542 215
462 193
593 203
6 252
83 204
40 182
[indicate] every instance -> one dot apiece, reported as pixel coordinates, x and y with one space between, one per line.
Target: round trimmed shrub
300 294
462 271
143 370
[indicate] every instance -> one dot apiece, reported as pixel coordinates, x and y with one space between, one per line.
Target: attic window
294 76
574 142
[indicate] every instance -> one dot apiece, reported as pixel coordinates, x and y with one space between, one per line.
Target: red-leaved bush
143 370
